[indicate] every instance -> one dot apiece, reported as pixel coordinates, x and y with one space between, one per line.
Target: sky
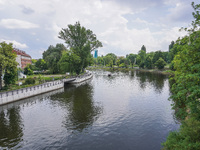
122 26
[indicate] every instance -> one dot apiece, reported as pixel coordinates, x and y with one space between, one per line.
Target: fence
11 96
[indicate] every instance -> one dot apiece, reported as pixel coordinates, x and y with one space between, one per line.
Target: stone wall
11 96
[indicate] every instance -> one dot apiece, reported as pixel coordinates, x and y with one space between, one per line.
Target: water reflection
156 80
82 111
11 127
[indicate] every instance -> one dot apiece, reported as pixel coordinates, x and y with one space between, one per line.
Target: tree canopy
8 63
52 56
81 42
186 88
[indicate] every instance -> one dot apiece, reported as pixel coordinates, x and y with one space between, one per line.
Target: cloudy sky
123 26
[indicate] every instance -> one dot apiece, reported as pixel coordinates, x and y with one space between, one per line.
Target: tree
52 56
81 41
160 63
41 64
142 57
69 62
7 59
186 88
10 76
132 59
171 45
143 48
148 62
157 55
28 70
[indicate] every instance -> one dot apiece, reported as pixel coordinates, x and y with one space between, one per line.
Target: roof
20 52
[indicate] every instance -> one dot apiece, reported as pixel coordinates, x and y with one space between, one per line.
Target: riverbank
164 71
15 95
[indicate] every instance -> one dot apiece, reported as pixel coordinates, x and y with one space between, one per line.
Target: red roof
22 53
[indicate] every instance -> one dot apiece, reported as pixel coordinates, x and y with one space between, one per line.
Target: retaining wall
11 96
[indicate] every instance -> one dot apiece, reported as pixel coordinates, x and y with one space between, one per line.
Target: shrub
188 137
160 63
29 81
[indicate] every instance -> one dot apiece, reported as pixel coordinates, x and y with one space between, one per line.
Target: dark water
128 111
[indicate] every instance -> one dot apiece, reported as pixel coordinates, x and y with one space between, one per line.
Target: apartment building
22 58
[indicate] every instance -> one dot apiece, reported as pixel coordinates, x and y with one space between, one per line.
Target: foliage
132 59
52 56
110 59
7 60
81 42
29 81
70 62
149 62
143 48
160 63
142 57
28 70
157 55
41 65
171 45
186 88
188 137
10 76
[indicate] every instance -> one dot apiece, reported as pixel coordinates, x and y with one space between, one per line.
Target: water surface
125 111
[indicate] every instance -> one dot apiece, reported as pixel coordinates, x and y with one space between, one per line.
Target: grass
38 80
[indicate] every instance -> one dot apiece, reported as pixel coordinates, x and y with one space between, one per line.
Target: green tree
160 63
186 88
70 62
157 55
28 70
41 64
7 59
52 56
132 59
188 137
10 76
142 58
143 48
171 45
100 60
149 62
81 41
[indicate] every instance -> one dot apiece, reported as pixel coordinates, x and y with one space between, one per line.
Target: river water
127 111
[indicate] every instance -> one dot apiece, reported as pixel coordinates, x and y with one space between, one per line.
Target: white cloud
106 18
15 43
17 24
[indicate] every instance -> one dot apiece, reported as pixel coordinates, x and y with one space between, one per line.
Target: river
128 111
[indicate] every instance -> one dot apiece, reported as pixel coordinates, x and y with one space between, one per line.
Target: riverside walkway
12 96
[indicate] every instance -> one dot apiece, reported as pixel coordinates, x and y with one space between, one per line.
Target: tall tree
81 41
141 58
143 48
52 56
132 59
186 88
7 59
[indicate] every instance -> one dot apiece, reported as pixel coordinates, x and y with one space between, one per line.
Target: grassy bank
38 79
165 71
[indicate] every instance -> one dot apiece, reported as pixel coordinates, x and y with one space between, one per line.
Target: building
22 58
95 53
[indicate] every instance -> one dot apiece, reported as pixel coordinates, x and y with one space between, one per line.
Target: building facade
23 59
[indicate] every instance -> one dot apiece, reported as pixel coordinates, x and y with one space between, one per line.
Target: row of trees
186 88
73 58
144 60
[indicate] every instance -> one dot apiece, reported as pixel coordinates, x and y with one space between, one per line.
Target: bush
160 63
188 137
29 81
